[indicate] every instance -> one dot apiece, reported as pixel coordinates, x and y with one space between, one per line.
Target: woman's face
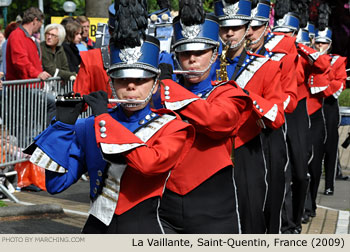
135 89
196 60
77 37
51 38
321 47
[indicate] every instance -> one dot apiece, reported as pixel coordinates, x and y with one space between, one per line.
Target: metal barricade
26 109
344 131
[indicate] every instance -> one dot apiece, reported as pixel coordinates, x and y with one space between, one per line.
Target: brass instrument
247 44
221 74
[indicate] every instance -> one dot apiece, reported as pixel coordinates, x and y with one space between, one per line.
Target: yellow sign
93 24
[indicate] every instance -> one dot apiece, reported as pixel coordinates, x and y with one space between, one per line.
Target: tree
90 8
51 8
97 8
153 6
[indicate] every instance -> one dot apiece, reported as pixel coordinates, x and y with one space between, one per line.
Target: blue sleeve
60 143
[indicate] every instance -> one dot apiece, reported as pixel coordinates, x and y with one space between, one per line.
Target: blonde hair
60 29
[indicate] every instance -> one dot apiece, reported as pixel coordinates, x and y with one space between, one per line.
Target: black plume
116 5
231 1
282 7
254 3
323 15
191 12
302 8
131 23
164 4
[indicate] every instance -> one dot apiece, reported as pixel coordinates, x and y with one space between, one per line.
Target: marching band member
323 42
128 151
316 76
200 195
260 76
283 37
277 48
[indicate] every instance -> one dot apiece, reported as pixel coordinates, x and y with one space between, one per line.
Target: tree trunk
98 8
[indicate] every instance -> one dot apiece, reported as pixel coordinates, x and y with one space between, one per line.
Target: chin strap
145 101
195 73
326 50
260 37
238 45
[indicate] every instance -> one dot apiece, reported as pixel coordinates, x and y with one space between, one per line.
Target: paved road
75 199
333 213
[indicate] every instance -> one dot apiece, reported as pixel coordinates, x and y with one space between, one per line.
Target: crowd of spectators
24 55
57 54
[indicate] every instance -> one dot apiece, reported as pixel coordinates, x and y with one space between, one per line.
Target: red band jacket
125 168
216 120
261 77
92 76
337 76
316 76
282 48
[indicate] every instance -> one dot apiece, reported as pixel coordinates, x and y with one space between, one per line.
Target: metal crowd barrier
344 130
26 109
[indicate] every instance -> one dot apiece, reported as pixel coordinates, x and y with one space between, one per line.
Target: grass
2 204
344 98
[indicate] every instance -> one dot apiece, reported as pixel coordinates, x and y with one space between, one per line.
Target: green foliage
344 98
51 8
55 7
208 5
153 6
2 204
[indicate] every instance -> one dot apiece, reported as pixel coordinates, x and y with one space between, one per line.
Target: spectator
23 61
73 37
23 55
9 28
54 58
85 40
65 21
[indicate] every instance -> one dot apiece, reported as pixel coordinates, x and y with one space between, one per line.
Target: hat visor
233 22
258 23
283 29
192 47
119 73
323 40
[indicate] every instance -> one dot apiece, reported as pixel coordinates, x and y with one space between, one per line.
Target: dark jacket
55 60
73 56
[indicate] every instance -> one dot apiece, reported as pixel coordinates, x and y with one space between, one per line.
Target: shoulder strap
239 64
146 131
